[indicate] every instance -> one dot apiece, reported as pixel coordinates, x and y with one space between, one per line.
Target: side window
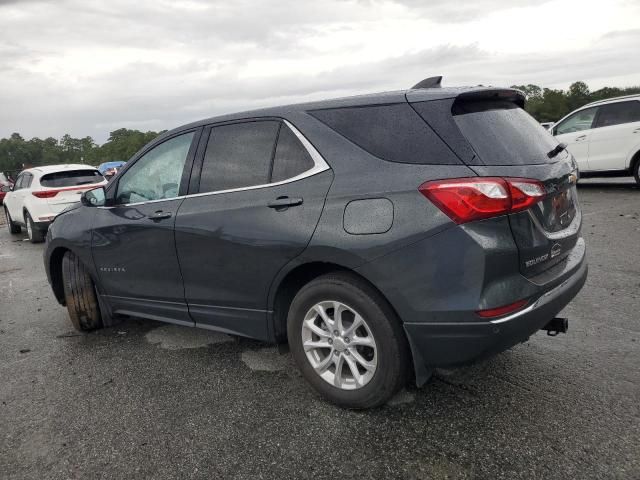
26 181
618 113
238 155
582 120
291 157
157 174
395 133
18 184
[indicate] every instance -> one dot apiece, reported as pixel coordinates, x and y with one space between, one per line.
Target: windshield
71 178
502 133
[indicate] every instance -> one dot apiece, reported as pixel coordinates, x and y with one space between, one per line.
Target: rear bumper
452 344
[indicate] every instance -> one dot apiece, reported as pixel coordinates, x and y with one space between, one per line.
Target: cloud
87 68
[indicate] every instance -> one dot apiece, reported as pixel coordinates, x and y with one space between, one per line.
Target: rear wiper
557 149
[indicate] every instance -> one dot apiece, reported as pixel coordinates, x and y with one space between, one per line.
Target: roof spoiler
508 94
431 82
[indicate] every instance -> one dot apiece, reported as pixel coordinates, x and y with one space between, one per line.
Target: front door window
157 174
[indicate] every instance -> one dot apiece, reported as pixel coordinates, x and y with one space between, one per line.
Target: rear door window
70 178
291 158
582 120
618 113
502 133
395 133
238 155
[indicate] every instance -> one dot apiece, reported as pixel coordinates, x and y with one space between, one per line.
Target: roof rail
612 98
431 82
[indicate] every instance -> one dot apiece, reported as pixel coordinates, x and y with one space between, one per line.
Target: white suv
604 137
41 193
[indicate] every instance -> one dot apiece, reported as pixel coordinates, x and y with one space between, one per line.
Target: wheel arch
291 283
634 160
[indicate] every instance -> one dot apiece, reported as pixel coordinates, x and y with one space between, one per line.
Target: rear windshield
71 178
502 133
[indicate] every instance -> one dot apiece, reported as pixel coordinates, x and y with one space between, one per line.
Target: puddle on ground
402 398
265 359
176 337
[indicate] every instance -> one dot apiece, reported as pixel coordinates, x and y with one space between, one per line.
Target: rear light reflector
500 311
468 199
45 193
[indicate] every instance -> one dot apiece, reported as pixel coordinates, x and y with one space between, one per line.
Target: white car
41 193
604 137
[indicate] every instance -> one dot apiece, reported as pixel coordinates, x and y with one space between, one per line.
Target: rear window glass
395 133
238 155
502 133
70 178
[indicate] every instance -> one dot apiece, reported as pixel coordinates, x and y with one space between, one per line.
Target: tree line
550 105
16 153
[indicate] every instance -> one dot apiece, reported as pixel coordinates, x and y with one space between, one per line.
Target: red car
5 185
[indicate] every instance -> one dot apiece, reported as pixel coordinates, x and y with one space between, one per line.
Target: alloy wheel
339 345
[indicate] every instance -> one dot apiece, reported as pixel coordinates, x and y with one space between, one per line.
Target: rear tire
34 233
377 350
636 169
13 227
80 295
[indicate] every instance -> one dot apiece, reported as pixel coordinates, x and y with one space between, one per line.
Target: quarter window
291 157
238 155
618 113
157 174
582 120
395 133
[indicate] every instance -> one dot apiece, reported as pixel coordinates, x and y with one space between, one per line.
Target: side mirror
94 198
5 188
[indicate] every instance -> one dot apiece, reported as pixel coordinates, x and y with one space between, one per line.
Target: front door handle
637 130
282 203
581 138
159 215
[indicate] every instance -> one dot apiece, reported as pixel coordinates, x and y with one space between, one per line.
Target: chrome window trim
319 165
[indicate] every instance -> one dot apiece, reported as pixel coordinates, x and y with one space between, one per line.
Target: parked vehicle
381 236
41 193
109 169
604 137
5 186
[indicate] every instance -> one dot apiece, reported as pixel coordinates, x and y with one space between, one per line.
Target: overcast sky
86 68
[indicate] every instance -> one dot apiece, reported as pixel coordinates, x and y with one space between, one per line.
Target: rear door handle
581 138
284 202
637 130
159 215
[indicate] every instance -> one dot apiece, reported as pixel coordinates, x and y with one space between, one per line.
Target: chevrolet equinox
381 236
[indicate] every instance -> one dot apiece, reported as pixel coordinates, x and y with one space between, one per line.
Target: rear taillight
45 193
467 199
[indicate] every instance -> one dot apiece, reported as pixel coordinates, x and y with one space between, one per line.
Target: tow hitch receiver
556 326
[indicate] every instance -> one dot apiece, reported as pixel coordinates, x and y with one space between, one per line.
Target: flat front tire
347 341
80 295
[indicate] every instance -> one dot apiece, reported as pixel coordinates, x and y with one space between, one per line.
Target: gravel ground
145 399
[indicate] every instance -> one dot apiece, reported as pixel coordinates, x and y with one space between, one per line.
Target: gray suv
381 236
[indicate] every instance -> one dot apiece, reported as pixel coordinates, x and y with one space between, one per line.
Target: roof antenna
431 82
